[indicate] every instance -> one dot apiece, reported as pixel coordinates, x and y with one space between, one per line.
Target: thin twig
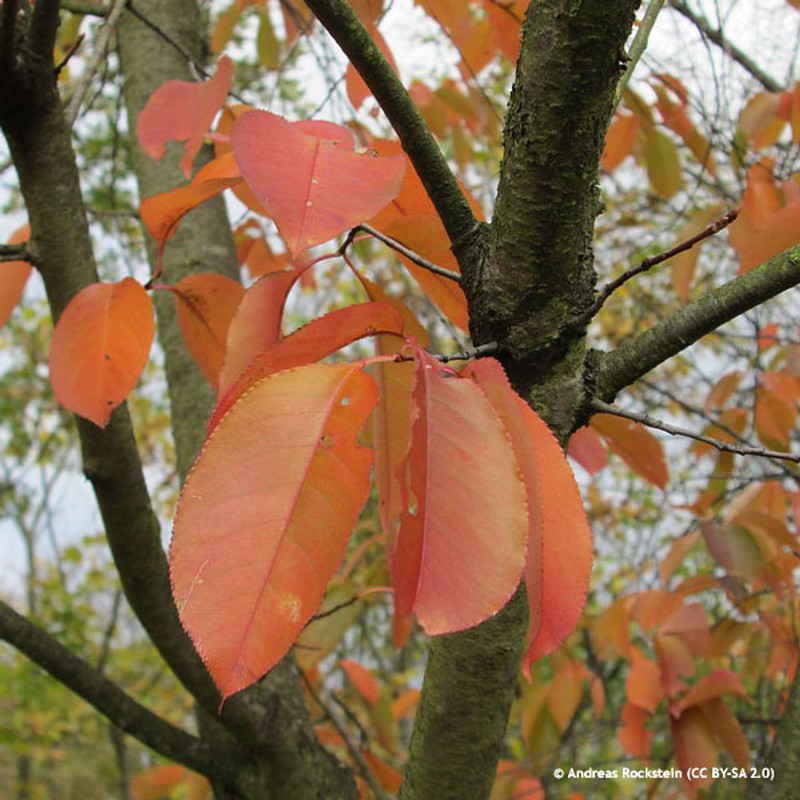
333 610
637 48
73 48
716 36
405 251
100 47
365 771
652 261
469 353
673 430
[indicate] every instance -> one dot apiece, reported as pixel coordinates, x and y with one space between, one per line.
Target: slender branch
639 354
652 261
471 352
416 258
100 46
15 252
673 430
73 48
343 25
717 37
638 47
43 28
90 9
105 696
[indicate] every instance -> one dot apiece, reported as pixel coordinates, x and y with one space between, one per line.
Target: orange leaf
694 745
162 212
559 561
735 549
633 736
357 90
388 777
460 551
405 702
635 445
265 514
206 303
256 325
100 347
759 120
183 111
644 687
13 277
363 680
313 187
718 682
620 140
683 265
314 341
728 730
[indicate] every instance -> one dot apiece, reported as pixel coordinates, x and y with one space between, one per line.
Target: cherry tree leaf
635 445
183 111
363 680
100 347
314 341
314 188
460 552
206 303
265 514
559 557
13 277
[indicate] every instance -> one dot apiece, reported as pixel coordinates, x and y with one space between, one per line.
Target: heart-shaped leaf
314 188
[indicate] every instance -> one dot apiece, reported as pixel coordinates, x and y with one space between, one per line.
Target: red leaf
694 746
13 277
635 445
100 347
313 342
460 550
183 111
620 140
206 303
265 514
314 188
363 680
559 561
586 447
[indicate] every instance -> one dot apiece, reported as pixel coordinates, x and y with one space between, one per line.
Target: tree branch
716 36
638 47
638 355
100 47
600 407
43 28
341 22
106 697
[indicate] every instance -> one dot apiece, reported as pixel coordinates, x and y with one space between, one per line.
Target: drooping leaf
643 686
13 277
728 730
206 303
256 325
694 745
634 737
100 347
364 681
663 163
620 140
683 265
312 187
459 553
162 212
586 447
264 517
559 558
314 341
183 111
717 683
635 445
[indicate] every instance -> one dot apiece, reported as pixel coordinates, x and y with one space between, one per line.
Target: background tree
709 610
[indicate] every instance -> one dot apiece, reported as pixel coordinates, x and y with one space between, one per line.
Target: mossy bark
524 279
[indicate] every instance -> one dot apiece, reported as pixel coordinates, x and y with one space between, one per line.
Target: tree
529 294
